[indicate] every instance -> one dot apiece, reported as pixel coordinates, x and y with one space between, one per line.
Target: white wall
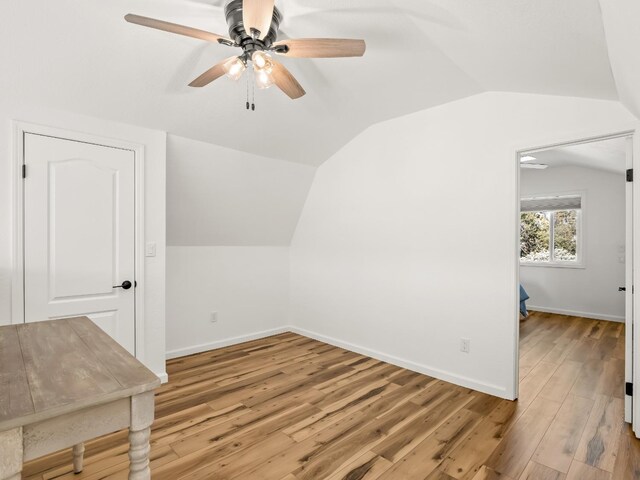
231 216
591 291
248 287
407 242
14 107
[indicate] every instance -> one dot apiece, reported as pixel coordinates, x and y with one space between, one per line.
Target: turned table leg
11 454
139 433
78 457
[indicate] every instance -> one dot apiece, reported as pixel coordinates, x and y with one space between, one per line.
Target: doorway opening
575 278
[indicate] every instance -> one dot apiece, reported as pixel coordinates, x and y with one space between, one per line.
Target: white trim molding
495 390
450 377
227 342
575 313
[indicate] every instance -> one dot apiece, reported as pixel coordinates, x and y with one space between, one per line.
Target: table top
59 366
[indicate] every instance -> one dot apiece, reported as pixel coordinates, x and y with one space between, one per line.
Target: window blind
546 204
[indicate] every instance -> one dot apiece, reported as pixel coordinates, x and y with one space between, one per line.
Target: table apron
67 430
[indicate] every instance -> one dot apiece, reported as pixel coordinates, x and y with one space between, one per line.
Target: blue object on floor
523 299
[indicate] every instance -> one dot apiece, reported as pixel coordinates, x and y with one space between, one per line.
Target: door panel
79 233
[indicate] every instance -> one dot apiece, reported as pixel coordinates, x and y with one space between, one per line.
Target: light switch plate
150 249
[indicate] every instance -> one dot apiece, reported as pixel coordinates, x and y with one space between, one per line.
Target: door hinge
24 171
628 388
630 175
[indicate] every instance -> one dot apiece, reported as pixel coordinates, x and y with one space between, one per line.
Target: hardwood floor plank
628 458
517 447
366 467
585 385
267 421
438 474
288 407
426 456
302 453
559 445
535 381
561 382
561 350
466 459
580 471
534 356
600 439
611 381
346 449
536 471
405 440
486 473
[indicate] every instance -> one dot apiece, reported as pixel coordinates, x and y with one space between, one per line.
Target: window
550 231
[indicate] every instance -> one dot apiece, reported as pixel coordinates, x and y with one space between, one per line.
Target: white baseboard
400 362
204 347
408 364
164 378
574 313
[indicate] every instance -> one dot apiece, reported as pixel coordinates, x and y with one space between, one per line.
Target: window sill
554 265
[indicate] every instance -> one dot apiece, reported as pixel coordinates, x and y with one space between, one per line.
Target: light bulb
262 61
263 79
234 68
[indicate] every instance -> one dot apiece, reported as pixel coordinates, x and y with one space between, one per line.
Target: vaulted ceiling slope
623 37
83 57
223 197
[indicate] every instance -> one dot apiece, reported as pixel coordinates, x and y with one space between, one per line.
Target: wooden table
63 382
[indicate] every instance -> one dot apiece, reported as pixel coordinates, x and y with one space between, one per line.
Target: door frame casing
631 130
17 252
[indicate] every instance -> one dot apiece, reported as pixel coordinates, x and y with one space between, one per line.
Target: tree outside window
549 236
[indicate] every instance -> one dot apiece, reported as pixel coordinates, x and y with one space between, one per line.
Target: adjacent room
319 240
575 210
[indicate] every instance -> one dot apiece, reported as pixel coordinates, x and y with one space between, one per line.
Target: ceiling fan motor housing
237 32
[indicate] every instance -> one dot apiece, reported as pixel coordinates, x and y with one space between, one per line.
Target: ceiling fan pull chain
247 93
253 94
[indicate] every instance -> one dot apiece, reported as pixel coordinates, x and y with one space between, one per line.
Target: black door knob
126 285
622 289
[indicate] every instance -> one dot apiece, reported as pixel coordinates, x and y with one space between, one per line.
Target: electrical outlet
214 317
465 345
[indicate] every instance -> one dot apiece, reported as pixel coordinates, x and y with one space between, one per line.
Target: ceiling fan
253 27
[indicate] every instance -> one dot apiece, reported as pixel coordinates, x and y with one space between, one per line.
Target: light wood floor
291 408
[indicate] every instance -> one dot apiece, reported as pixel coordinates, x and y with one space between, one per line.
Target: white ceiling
608 155
623 37
83 57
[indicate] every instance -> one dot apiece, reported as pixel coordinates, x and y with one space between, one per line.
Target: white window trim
580 229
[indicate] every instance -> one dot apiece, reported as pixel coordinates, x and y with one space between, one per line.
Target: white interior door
628 355
79 246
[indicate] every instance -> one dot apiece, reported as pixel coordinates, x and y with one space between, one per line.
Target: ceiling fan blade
286 81
210 75
175 28
322 47
257 15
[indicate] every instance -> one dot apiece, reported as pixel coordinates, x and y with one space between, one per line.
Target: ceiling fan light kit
253 27
234 68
